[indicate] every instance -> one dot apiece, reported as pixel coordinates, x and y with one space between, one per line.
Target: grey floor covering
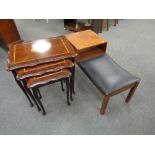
131 44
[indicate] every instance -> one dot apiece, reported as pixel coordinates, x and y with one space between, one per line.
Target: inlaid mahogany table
29 54
40 51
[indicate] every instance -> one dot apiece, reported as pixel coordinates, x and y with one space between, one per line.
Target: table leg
22 88
31 95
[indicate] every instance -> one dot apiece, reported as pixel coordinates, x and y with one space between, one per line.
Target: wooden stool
109 78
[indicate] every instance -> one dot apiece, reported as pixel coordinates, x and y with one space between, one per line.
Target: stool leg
38 100
62 87
67 92
22 88
39 94
104 104
131 92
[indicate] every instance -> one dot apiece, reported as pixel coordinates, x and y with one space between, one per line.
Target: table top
85 39
38 52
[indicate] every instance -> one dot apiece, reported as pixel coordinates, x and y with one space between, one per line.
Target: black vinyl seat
106 74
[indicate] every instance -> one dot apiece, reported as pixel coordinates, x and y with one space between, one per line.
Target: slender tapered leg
38 100
22 88
39 94
104 104
73 79
71 89
73 76
62 87
67 92
131 92
29 92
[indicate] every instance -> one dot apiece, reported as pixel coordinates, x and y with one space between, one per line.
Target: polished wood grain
90 53
43 68
15 42
87 44
48 77
9 31
85 39
40 51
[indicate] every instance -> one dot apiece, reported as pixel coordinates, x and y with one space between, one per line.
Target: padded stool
109 78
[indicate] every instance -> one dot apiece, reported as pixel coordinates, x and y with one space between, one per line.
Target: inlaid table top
38 52
85 39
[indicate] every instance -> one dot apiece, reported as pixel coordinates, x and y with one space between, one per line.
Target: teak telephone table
105 73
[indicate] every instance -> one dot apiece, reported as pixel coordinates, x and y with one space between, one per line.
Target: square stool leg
131 92
104 104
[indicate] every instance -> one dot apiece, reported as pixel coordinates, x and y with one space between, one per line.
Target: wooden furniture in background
102 24
97 25
70 24
115 23
9 31
87 44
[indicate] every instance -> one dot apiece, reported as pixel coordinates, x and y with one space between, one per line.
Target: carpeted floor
131 44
